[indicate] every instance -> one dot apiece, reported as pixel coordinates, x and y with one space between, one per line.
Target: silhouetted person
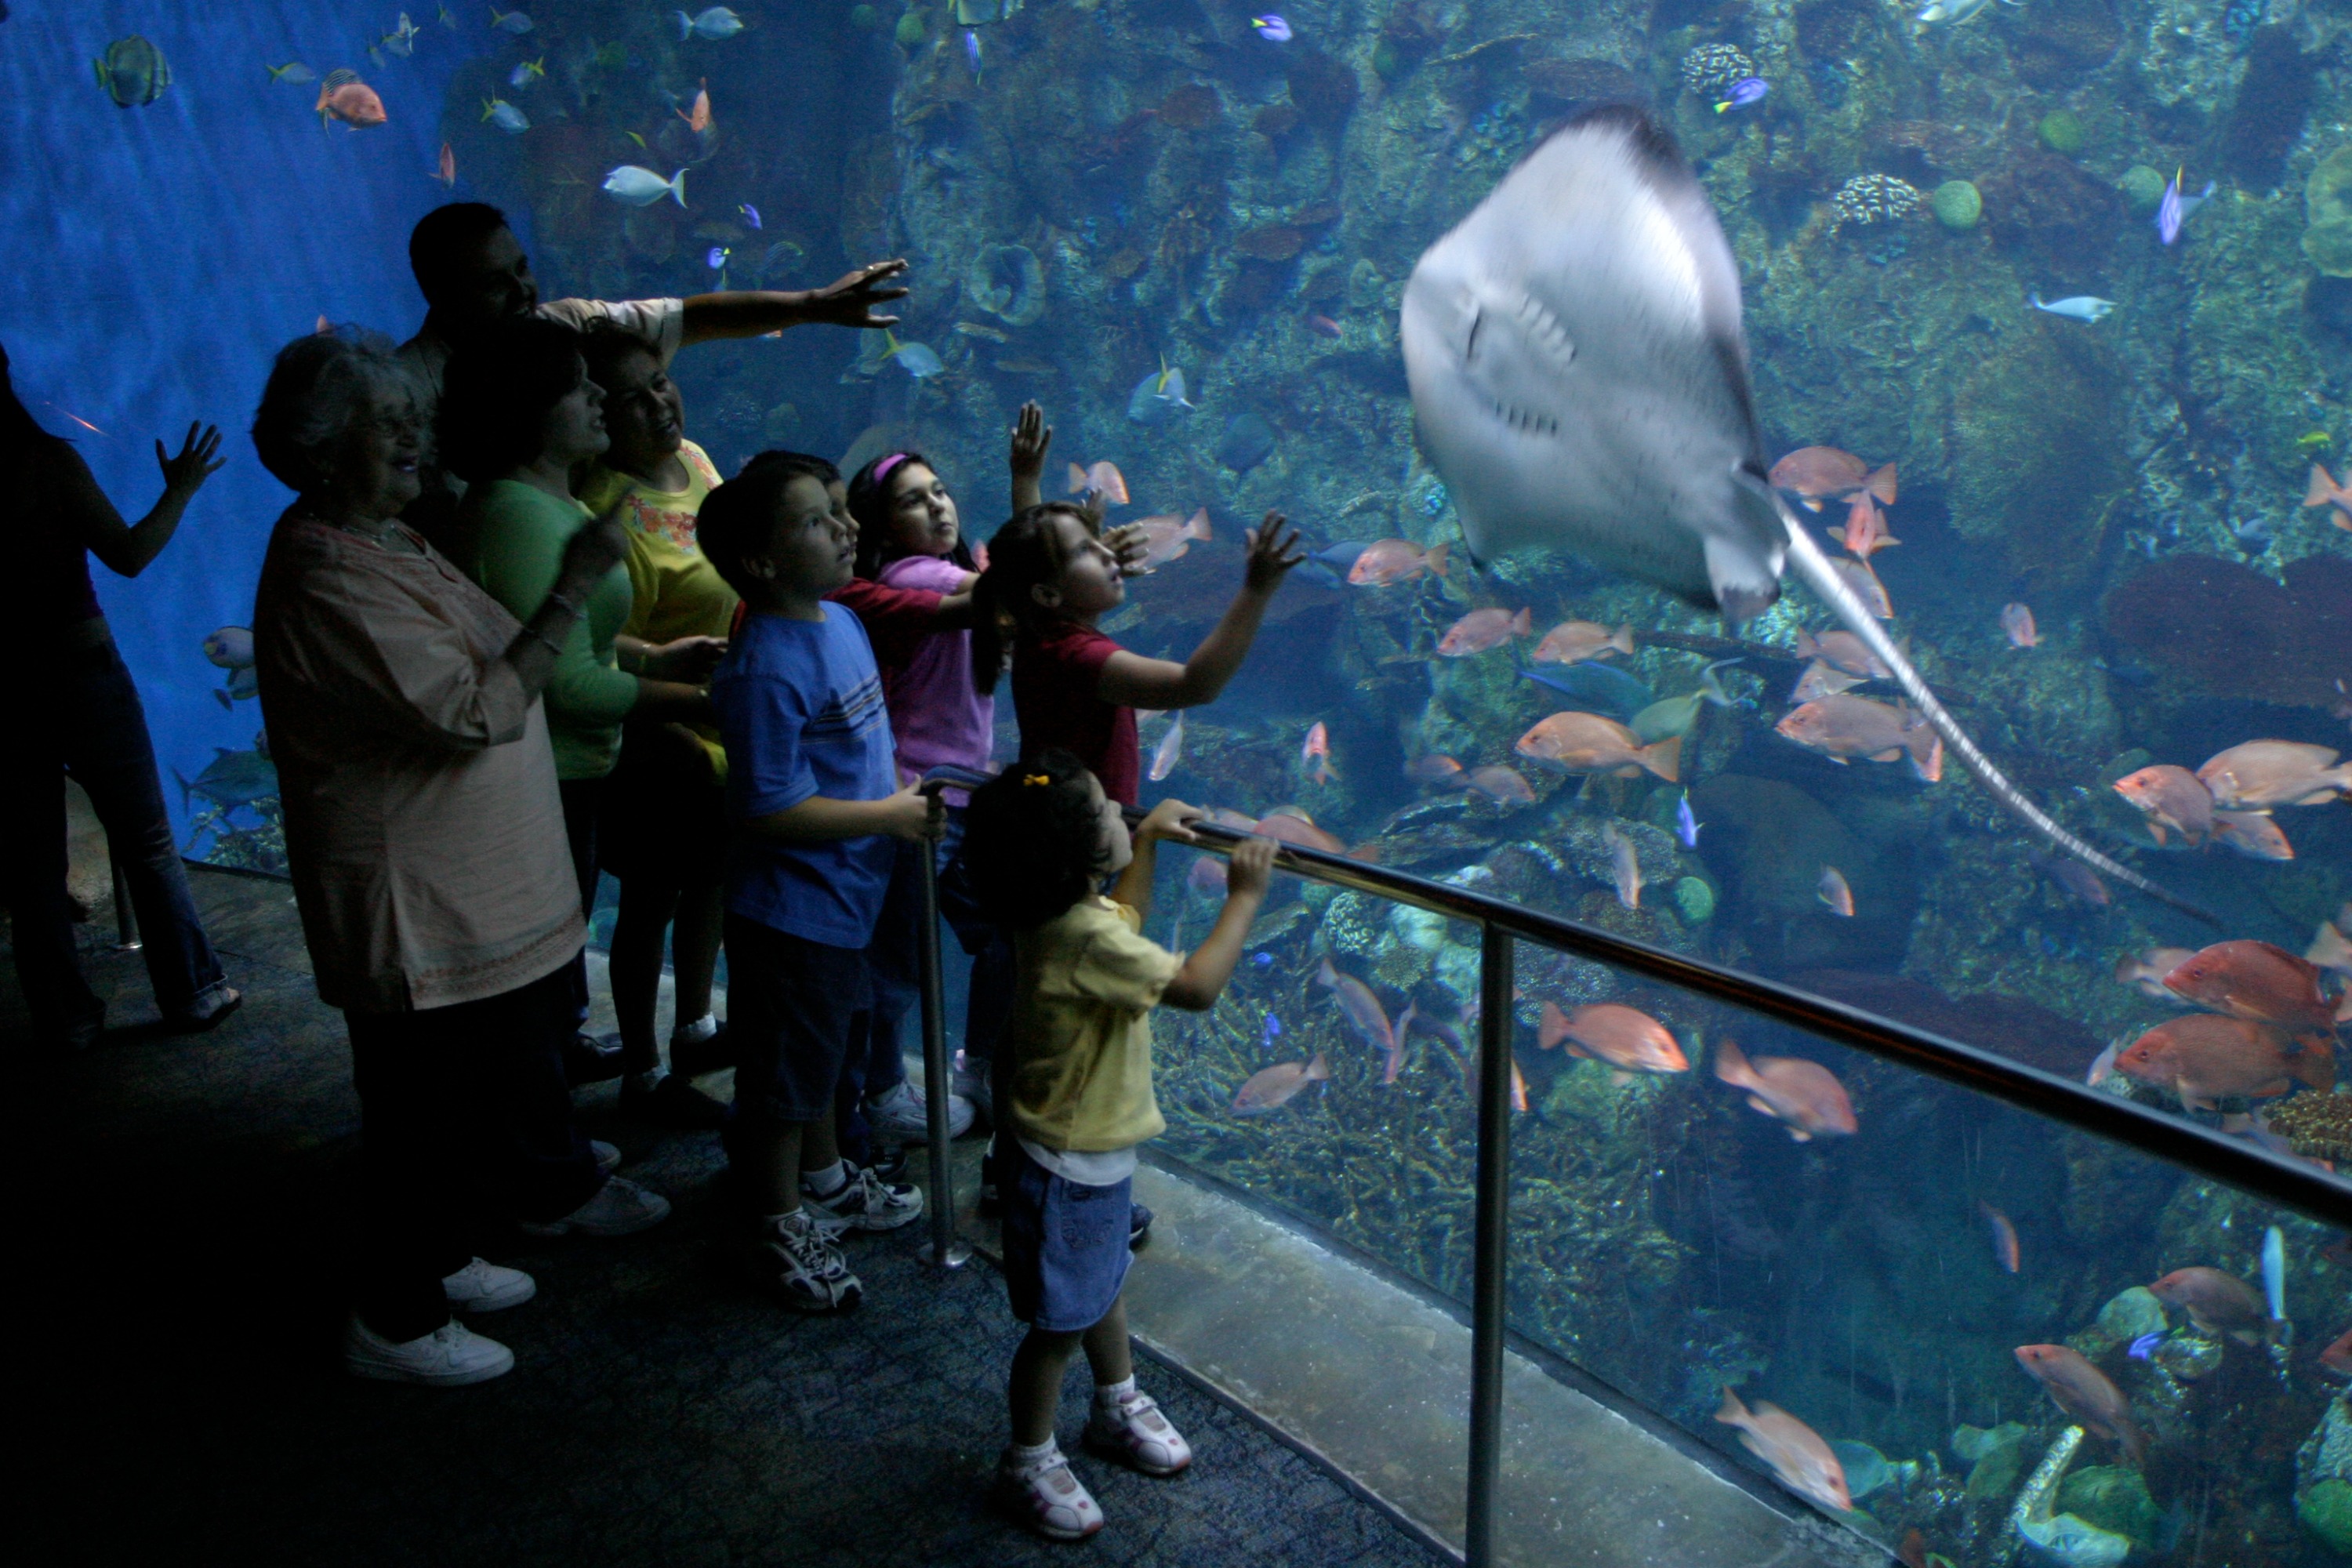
78 714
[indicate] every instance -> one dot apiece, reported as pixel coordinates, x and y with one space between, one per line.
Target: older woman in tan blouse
426 839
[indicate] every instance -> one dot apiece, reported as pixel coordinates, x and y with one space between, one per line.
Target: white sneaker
484 1287
620 1207
866 1202
1134 1431
1048 1498
451 1356
899 1112
794 1258
970 1081
608 1159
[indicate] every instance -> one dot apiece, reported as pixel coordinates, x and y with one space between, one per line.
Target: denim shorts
1066 1253
796 1006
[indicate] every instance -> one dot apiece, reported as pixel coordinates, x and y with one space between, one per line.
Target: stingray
1580 379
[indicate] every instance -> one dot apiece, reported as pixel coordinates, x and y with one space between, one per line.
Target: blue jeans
87 721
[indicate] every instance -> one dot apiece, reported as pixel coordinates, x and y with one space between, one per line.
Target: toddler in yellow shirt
1039 841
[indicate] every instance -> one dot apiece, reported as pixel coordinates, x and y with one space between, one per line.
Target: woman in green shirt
518 415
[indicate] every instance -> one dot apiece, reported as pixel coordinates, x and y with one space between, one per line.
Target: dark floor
178 1304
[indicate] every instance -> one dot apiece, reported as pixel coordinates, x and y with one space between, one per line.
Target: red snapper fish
2203 1058
2017 624
2330 949
1292 825
2145 970
2086 1392
2324 490
2170 797
1821 680
343 96
1588 744
1817 474
1436 768
1865 528
2253 834
1103 479
2337 1357
1270 1089
1805 1096
1571 642
1360 1007
1866 587
1503 786
1842 651
1843 726
1482 629
1833 890
2254 980
1793 1451
2259 775
1388 561
1628 1039
1624 866
1169 538
2005 1250
2216 1302
1315 754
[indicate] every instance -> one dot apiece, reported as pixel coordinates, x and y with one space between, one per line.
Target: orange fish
1627 1038
2258 775
1316 753
2017 624
2253 834
2337 1357
1169 538
447 171
1833 892
1816 474
1388 561
1291 827
1436 768
1844 726
1573 641
1503 786
2257 981
2085 1393
1844 651
1821 680
2216 1302
343 96
1624 866
697 120
1793 1451
2145 970
2170 797
1360 1007
1269 1088
1587 743
2005 1238
2325 491
2203 1057
1481 630
1103 478
1866 587
1805 1096
2330 949
1865 528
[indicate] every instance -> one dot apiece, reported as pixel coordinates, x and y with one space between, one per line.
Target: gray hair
321 384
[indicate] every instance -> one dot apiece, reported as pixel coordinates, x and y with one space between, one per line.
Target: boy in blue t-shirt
814 801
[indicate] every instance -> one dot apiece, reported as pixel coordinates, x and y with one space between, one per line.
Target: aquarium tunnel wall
2074 428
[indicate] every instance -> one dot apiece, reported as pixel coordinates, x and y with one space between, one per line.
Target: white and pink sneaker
1045 1496
1134 1431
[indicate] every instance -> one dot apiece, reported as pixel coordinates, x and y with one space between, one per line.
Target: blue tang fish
1595 688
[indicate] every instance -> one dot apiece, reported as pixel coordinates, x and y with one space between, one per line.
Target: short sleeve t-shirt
1080 1033
1054 680
800 709
938 718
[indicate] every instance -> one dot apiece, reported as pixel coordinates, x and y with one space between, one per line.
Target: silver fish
1949 12
1580 380
2085 308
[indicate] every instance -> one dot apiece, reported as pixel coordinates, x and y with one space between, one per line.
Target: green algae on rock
2142 188
1959 206
911 30
1694 898
2328 210
2061 131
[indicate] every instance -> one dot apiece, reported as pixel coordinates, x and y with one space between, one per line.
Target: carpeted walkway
177 1283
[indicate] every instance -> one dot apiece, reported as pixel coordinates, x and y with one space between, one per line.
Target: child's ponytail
1024 554
1033 839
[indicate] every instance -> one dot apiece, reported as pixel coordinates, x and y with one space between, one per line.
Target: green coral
1694 898
2114 1498
2061 131
2327 209
911 30
1958 205
2326 1511
2142 188
865 19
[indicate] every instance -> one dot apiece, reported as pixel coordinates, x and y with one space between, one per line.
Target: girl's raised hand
1272 552
1132 545
1168 820
1032 438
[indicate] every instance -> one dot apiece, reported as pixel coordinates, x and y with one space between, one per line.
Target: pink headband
882 470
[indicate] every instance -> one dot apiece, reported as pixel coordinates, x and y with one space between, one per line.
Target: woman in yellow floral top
664 832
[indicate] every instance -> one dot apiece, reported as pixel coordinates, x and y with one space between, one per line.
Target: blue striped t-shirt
800 710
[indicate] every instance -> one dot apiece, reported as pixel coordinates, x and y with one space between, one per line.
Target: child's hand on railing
1251 870
1168 820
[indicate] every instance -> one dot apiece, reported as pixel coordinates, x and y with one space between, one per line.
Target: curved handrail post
944 1251
1492 1216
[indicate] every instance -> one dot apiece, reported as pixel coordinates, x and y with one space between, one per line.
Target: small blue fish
751 213
916 360
402 40
448 20
230 779
716 258
522 74
2084 308
641 187
1264 960
293 73
513 22
2144 1347
717 22
2177 208
1272 29
1747 89
505 116
1686 826
1273 1029
971 49
1596 688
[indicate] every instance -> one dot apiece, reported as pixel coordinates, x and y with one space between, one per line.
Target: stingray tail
1820 576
